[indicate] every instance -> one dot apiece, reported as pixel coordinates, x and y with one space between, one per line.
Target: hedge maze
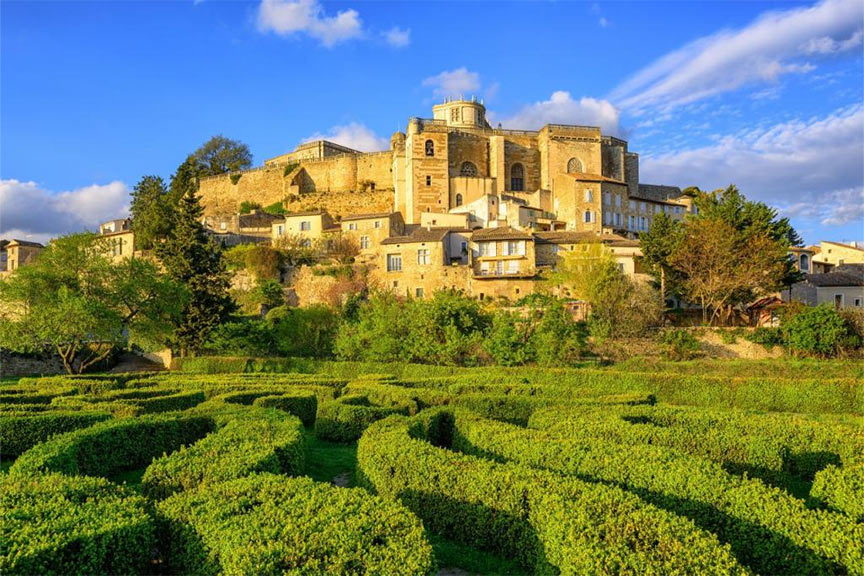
588 471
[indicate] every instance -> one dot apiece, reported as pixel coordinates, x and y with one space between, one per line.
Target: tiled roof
258 220
843 245
367 216
834 279
419 235
586 177
574 237
308 213
500 233
26 243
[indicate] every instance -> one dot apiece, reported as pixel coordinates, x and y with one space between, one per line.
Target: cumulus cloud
811 169
354 135
290 17
30 212
562 108
454 83
774 45
397 37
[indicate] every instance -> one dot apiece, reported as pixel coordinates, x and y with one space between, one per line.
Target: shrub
302 405
235 178
267 524
304 332
277 209
248 206
345 419
248 336
766 336
841 488
680 345
108 448
55 524
818 331
19 433
255 440
539 518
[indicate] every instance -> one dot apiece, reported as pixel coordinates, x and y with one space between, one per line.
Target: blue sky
767 95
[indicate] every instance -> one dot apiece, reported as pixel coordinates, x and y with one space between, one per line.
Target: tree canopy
220 155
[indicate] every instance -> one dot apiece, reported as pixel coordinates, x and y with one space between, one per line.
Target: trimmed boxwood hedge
300 404
256 440
111 447
20 432
267 524
769 530
545 520
345 419
65 525
842 489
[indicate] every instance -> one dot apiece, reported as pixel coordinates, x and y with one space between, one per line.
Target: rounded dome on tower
397 140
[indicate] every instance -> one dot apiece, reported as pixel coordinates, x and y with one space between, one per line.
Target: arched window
517 178
588 216
804 263
430 148
574 165
458 199
589 197
468 169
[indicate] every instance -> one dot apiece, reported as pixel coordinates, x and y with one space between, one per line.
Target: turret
461 113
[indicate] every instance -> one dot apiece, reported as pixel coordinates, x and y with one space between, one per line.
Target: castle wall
220 196
522 150
432 197
467 147
376 167
335 174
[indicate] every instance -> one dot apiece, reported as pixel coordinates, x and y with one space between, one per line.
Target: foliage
767 336
152 212
304 332
304 405
238 527
299 251
20 432
243 337
342 249
82 304
220 155
680 344
345 419
276 208
658 244
235 178
247 206
54 524
288 169
192 260
818 331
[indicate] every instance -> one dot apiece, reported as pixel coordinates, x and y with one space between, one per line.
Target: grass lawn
326 461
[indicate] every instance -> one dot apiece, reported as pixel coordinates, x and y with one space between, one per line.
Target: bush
304 332
277 209
680 344
248 336
766 336
248 206
818 331
841 488
108 448
19 433
55 524
302 405
267 524
255 440
345 419
544 520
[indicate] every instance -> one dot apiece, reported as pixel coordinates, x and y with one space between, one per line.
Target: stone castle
573 177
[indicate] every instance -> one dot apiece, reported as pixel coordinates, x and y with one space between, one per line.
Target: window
617 218
589 196
617 201
621 267
804 263
280 230
487 248
642 225
632 205
394 263
468 169
838 300
512 248
352 226
587 216
305 225
364 242
517 178
607 198
377 224
857 302
464 247
574 165
630 222
430 148
454 115
513 267
458 199
428 180
423 256
223 225
418 292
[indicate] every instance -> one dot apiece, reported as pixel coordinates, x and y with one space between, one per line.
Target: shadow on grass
330 461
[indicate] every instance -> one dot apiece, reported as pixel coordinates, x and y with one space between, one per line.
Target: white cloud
561 108
811 169
397 37
289 17
353 135
29 212
454 83
773 45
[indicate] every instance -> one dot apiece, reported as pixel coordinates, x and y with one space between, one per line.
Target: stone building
558 177
828 255
17 253
843 287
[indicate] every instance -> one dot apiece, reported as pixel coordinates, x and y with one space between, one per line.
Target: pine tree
191 258
152 212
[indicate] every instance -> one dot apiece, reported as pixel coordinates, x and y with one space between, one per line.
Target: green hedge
302 405
111 447
69 525
19 432
256 440
546 521
268 524
345 419
841 488
770 531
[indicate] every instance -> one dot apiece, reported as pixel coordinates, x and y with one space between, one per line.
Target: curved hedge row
108 448
20 432
302 405
257 440
769 530
545 520
56 524
841 488
345 419
266 524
